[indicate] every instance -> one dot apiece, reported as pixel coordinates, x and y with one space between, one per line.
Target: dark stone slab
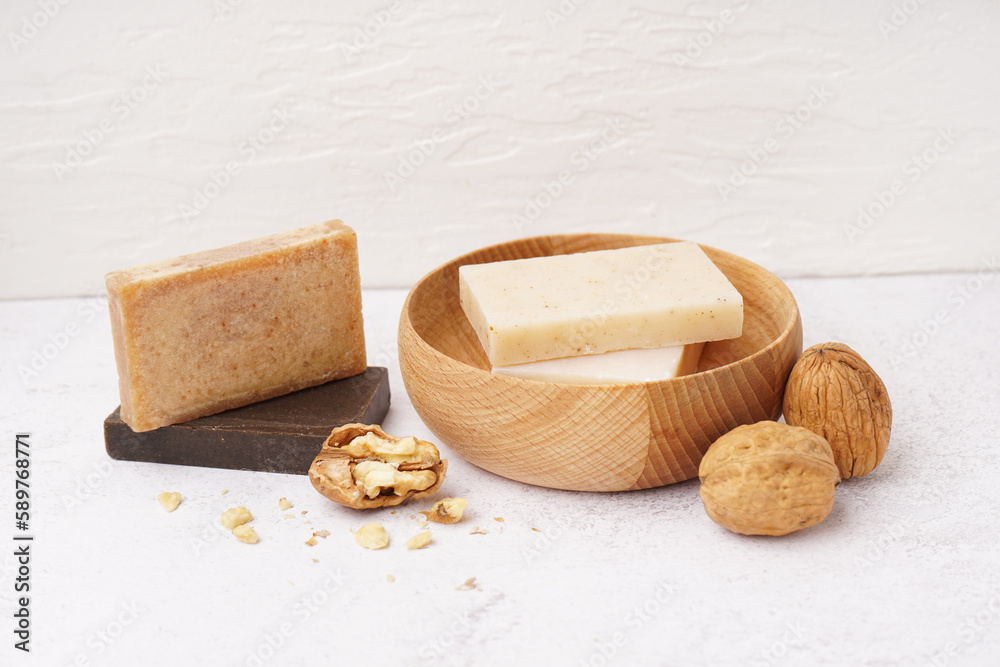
282 434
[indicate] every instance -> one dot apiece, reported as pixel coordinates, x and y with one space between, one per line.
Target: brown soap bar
219 329
279 435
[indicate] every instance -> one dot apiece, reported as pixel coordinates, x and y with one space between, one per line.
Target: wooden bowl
592 437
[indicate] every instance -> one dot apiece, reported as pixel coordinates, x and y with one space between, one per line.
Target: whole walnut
768 479
833 392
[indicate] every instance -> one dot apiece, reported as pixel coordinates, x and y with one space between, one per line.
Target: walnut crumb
390 578
284 504
419 541
498 518
225 491
245 534
470 584
478 530
169 500
311 541
322 533
447 510
372 536
236 516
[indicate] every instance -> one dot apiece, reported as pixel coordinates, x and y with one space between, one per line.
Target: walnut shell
332 472
833 392
768 479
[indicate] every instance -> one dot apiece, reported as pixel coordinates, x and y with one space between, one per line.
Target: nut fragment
245 534
284 504
768 479
419 541
236 516
447 510
470 584
372 536
169 500
363 467
833 392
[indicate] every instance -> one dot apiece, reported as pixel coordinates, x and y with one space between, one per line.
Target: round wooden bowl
592 437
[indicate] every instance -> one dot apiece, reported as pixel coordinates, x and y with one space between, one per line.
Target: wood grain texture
592 437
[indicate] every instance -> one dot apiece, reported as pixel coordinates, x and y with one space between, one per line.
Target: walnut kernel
236 516
372 536
447 510
169 500
363 467
245 534
419 541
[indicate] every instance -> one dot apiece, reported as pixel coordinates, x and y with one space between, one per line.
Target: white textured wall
505 97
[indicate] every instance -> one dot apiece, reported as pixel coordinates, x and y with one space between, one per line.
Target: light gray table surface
904 571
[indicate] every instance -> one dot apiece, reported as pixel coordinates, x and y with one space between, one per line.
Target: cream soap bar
622 366
589 303
224 328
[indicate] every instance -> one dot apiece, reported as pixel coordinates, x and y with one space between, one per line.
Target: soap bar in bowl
644 297
223 328
623 366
